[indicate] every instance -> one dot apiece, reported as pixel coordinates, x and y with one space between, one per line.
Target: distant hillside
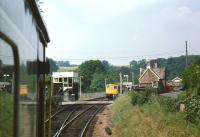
174 65
70 68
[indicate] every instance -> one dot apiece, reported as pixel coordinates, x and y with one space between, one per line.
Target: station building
67 84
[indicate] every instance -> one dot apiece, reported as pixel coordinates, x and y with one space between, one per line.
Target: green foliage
191 76
192 109
182 96
149 120
63 63
167 104
97 83
113 75
106 64
140 98
53 66
175 65
191 80
124 70
6 114
87 69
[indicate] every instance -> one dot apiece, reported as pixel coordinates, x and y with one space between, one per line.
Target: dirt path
103 123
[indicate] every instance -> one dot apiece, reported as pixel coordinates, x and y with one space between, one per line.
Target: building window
55 79
70 80
65 79
60 80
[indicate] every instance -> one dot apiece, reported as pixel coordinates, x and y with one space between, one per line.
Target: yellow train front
112 90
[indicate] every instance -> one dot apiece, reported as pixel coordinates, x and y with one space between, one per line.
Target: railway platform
86 102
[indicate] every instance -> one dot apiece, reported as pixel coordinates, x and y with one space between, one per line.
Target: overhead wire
147 56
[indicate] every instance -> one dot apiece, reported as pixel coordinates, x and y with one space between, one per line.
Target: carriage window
6 89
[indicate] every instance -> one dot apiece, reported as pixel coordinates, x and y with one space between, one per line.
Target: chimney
155 65
141 71
148 65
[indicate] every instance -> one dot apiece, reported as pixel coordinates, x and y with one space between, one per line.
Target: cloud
99 11
109 28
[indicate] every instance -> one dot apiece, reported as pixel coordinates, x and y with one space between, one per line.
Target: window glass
60 79
6 89
70 80
56 80
65 79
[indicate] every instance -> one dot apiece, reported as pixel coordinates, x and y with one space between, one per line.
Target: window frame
14 48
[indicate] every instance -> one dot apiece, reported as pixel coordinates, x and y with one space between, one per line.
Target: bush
167 104
140 98
182 96
192 109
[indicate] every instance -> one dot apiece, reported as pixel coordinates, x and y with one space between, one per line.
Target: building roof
64 74
176 79
158 72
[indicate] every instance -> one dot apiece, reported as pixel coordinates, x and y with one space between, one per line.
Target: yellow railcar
23 89
112 90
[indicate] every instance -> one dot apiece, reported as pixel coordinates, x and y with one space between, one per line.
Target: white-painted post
105 82
80 86
132 78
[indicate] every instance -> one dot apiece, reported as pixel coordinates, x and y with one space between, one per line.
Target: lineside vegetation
144 114
6 114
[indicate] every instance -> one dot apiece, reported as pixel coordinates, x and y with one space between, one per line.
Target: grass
149 120
6 114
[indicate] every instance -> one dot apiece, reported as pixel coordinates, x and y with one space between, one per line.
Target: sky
121 30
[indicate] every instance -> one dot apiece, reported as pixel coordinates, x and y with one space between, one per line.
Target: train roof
39 20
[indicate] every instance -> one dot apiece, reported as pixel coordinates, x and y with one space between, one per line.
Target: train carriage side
23 39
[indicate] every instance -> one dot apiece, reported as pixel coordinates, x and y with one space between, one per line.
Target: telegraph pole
186 57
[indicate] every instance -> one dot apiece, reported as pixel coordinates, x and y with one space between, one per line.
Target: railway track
74 121
66 107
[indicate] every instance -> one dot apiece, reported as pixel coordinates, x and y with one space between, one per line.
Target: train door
8 87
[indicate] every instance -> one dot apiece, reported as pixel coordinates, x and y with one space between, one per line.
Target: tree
53 66
97 83
87 69
191 77
125 70
106 64
175 66
63 63
112 75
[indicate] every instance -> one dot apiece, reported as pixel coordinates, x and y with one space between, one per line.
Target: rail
89 121
64 125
